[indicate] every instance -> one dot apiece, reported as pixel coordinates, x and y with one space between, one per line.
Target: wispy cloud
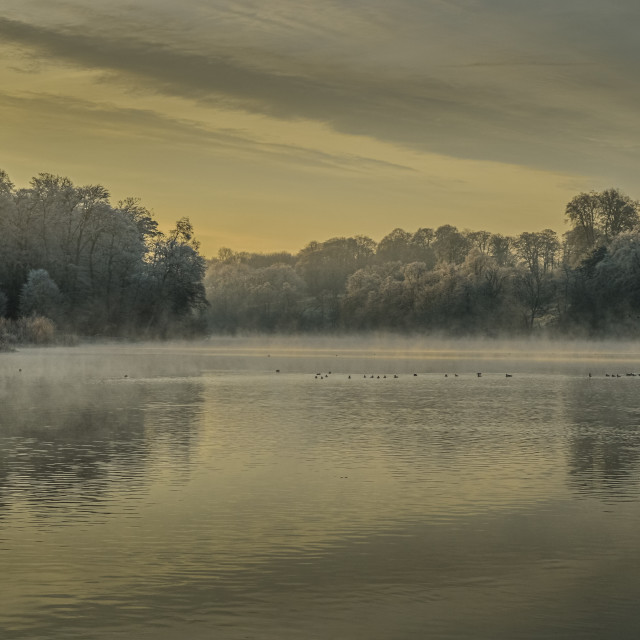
527 111
151 127
546 85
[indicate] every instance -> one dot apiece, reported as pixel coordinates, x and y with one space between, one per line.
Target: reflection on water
66 445
604 438
155 493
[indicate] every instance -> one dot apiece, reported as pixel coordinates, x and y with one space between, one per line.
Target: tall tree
395 247
325 266
535 283
617 213
582 211
174 277
450 245
597 218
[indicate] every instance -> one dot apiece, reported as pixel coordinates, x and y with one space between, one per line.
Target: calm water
193 492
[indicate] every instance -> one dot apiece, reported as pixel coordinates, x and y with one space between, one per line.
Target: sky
272 123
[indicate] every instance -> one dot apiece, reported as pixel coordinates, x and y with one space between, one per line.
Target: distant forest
445 280
73 261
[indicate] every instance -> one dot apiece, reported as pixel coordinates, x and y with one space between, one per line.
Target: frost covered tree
40 295
109 263
535 282
171 285
597 218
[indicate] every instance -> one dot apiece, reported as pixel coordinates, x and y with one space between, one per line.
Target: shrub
33 330
36 330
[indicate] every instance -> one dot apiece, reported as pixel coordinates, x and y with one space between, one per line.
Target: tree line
445 279
71 257
93 267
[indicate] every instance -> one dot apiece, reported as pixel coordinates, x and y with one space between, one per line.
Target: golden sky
271 123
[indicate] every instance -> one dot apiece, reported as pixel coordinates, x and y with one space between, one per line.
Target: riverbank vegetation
92 267
446 280
73 263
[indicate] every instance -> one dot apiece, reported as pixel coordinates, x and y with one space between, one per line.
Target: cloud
531 84
150 127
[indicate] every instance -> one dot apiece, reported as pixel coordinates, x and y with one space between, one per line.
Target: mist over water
190 490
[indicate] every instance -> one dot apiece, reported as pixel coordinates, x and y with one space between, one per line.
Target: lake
192 491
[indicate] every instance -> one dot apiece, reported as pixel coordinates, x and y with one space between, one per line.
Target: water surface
192 491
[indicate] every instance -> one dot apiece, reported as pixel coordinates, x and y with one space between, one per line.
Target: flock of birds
618 375
322 376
